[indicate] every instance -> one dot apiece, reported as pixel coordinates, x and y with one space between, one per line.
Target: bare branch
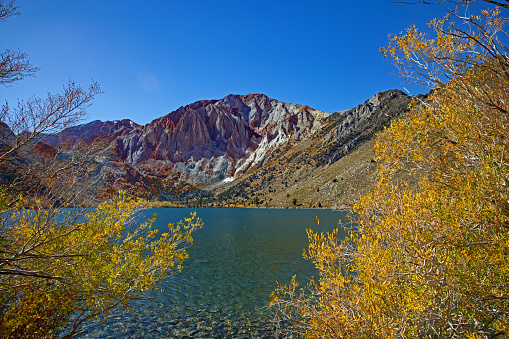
498 3
15 66
37 116
8 10
458 3
27 273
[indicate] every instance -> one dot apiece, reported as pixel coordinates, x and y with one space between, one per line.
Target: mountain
6 136
333 167
211 140
232 147
88 132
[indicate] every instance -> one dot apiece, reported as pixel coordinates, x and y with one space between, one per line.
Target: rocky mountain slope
333 167
212 140
242 149
110 130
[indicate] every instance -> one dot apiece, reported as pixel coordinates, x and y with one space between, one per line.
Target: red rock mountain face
204 142
213 140
210 140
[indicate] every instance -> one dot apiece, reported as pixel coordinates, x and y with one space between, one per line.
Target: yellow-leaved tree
61 267
428 257
62 263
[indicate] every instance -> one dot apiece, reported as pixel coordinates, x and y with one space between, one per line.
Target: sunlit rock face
214 139
351 127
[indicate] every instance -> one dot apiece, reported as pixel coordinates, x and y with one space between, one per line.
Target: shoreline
269 208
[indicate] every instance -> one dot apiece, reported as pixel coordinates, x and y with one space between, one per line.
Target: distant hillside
333 167
211 140
243 150
88 132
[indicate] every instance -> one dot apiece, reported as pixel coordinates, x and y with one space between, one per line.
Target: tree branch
26 273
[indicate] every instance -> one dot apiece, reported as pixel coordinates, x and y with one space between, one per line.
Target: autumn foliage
61 267
428 256
63 263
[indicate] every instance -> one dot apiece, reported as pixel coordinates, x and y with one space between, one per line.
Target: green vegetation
428 258
163 204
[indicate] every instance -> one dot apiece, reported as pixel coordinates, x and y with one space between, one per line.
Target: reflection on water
224 288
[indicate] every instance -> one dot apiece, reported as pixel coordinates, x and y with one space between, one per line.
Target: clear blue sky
151 57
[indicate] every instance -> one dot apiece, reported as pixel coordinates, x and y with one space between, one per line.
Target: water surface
234 264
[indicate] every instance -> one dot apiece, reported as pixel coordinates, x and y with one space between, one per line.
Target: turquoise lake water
233 266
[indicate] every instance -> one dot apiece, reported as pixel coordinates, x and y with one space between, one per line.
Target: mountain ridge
288 169
215 139
199 145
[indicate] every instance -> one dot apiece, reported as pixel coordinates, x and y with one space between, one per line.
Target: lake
233 266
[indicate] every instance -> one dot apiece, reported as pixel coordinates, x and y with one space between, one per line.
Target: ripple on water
233 266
